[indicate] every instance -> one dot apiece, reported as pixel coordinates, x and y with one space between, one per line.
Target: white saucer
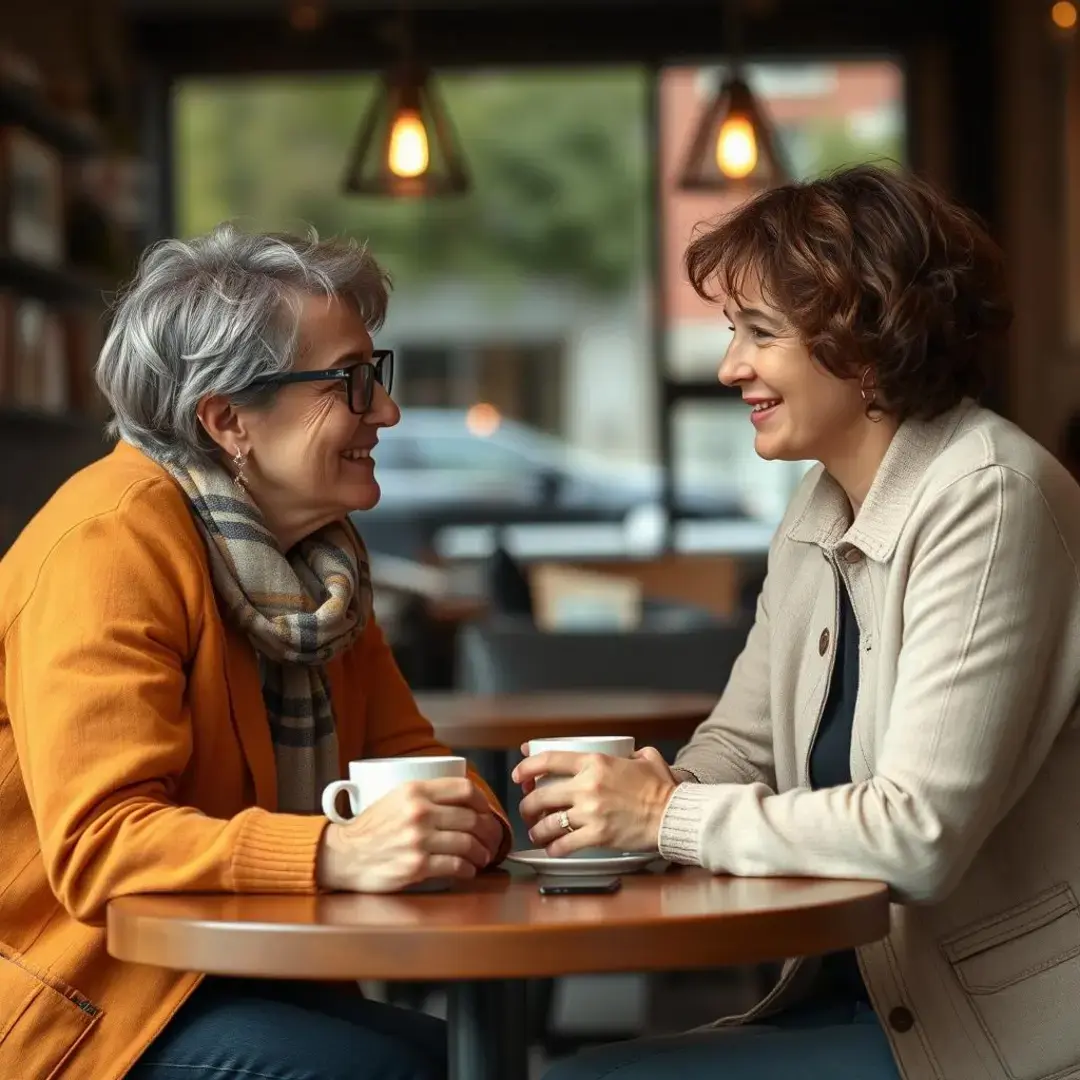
537 859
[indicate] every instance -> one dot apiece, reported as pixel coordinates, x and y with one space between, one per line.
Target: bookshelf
59 265
54 286
21 106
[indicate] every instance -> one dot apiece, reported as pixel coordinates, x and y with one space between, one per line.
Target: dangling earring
869 396
239 460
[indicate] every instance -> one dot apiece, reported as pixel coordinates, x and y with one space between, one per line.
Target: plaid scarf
298 610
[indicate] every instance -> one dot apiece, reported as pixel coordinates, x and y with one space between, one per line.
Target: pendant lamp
406 146
734 146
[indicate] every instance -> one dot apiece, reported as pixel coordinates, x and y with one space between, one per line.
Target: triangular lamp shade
734 147
405 147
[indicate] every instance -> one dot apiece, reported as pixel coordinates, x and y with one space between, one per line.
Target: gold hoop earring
874 412
240 459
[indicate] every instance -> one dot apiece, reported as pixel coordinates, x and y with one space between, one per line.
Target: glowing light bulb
1064 15
408 156
736 148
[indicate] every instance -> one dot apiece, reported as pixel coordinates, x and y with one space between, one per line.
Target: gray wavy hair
208 316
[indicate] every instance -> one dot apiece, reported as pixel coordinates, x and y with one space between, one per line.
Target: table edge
444 953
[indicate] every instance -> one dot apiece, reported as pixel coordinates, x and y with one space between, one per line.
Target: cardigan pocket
42 1019
1020 970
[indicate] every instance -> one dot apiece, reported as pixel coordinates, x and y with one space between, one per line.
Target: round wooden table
483 939
505 721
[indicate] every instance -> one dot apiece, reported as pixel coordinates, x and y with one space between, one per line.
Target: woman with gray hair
188 655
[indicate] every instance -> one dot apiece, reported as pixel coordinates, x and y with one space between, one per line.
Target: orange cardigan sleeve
394 725
95 685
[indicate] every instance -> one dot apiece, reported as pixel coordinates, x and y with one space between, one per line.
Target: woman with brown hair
905 708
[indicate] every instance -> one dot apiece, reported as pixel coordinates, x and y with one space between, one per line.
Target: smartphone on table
592 884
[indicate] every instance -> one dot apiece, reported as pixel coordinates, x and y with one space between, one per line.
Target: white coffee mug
621 746
372 778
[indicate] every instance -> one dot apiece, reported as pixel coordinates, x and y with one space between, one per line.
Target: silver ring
564 821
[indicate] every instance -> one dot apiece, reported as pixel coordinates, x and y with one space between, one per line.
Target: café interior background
556 371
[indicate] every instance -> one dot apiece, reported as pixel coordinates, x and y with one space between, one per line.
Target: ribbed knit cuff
277 852
680 827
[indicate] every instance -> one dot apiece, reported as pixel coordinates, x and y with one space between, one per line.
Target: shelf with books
21 106
55 285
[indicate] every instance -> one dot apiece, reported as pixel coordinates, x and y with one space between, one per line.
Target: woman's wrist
328 859
657 804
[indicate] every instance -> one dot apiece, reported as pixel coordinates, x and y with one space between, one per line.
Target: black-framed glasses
359 379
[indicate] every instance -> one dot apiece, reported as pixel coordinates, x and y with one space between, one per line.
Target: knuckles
592 784
417 811
413 836
413 864
596 772
461 787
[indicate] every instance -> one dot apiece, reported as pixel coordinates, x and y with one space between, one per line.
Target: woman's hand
427 829
610 802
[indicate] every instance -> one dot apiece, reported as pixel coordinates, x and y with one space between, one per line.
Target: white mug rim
582 738
432 759
536 744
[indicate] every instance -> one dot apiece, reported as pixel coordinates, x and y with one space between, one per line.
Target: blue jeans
247 1029
831 1042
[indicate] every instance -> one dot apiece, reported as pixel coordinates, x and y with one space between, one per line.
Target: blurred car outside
442 468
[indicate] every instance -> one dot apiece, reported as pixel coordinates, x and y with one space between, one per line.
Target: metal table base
487 1030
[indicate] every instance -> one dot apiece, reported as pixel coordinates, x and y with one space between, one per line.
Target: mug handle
329 800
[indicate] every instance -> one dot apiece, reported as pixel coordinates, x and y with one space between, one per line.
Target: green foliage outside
558 163
826 143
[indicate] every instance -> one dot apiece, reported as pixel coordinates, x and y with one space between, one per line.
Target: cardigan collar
825 519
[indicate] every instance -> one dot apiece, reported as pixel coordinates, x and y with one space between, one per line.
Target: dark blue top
830 766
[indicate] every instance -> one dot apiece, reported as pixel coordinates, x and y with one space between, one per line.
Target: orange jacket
135 756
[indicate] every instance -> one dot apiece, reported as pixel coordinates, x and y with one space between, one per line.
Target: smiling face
310 458
799 410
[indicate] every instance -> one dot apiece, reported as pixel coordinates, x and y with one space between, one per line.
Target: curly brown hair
872 267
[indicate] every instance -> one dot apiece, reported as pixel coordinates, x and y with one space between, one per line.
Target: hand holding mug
406 831
608 802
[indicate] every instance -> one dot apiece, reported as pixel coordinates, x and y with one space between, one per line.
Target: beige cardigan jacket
965 756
